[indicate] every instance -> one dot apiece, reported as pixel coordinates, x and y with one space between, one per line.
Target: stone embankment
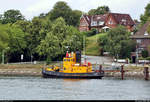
20 70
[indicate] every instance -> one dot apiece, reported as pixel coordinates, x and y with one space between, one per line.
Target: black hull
93 75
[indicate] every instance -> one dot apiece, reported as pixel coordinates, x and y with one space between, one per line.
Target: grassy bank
92 47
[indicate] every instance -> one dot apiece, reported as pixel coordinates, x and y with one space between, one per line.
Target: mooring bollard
100 68
146 73
122 72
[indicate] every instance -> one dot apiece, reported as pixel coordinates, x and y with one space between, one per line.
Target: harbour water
38 88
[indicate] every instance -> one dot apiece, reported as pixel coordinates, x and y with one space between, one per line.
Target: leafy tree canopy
11 16
99 10
144 17
61 9
117 42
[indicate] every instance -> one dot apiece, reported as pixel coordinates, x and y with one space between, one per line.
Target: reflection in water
37 88
74 80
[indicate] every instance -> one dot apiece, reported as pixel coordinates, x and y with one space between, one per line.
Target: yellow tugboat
72 68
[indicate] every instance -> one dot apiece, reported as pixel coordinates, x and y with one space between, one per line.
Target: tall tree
3 37
144 17
17 43
75 17
1 18
99 10
92 12
49 47
64 36
61 9
11 16
117 42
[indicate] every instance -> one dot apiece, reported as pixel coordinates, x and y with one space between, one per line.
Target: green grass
92 47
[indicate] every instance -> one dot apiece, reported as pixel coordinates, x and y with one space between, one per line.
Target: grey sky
30 8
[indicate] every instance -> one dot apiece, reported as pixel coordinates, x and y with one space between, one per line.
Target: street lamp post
3 54
3 57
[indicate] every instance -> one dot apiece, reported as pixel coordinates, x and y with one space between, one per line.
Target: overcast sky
31 8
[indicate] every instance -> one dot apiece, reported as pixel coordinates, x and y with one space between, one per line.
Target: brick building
105 21
142 38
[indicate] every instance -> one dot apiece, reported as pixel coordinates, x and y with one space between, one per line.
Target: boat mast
84 49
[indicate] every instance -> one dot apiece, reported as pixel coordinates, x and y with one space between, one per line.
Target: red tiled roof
99 17
123 19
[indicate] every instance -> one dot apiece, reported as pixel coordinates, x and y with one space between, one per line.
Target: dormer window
146 33
110 22
123 20
101 22
94 23
98 17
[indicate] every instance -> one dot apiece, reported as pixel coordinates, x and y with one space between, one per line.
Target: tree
102 10
144 53
102 42
75 17
63 36
11 16
74 39
1 18
3 37
92 12
144 17
49 47
17 43
117 42
61 9
99 10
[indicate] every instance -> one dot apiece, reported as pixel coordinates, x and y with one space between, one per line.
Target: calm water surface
37 88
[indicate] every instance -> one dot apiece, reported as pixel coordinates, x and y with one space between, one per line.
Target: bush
148 58
91 32
144 53
141 58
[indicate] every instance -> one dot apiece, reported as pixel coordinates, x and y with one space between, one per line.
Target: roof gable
87 19
142 32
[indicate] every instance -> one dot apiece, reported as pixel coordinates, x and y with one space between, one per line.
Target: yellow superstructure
70 65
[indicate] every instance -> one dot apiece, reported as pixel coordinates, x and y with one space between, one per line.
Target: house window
138 41
83 23
94 23
98 17
123 20
110 22
101 22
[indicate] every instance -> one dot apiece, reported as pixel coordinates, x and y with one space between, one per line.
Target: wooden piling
146 73
100 68
122 72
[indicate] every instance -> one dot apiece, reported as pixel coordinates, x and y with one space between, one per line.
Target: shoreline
35 70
